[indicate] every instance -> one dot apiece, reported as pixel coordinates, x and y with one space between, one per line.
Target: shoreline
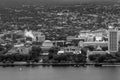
60 64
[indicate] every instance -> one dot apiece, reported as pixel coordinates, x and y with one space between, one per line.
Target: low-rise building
96 35
96 52
71 49
39 36
20 48
102 44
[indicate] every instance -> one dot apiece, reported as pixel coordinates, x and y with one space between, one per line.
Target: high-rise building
113 40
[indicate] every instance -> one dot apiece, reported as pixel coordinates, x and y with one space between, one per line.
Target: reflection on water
59 73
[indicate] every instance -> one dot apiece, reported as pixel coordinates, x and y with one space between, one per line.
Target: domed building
47 44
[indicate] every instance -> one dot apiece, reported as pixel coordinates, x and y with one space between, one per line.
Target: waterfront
59 73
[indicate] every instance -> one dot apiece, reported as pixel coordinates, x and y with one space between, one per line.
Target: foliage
78 58
14 57
91 48
93 57
105 48
35 52
1 48
104 58
53 51
84 51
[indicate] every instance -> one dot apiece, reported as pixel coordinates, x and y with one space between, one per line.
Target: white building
90 35
71 49
47 44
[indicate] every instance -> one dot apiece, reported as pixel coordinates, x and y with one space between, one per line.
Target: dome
47 43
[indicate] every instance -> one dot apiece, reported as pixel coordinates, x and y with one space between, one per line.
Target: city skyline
59 39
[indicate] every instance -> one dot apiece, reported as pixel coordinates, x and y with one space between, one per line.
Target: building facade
39 36
113 41
93 36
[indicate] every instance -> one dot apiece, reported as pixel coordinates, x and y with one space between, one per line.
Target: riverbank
59 64
42 64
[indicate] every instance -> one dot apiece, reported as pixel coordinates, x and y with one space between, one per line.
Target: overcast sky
16 2
56 0
33 1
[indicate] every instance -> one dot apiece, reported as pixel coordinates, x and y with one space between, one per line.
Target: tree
9 46
84 51
101 58
35 52
93 57
91 48
59 58
105 48
53 51
1 48
78 58
75 42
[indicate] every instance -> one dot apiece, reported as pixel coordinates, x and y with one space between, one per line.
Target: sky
52 0
19 2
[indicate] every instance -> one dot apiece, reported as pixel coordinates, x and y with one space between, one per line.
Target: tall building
113 40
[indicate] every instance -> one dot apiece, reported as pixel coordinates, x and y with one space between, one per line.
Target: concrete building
35 35
113 40
20 48
90 36
39 36
70 38
119 35
84 34
96 52
102 44
60 43
46 45
71 49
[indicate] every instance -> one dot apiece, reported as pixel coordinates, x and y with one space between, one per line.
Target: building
70 38
39 36
102 44
90 36
84 34
113 40
97 52
60 43
119 35
35 35
20 48
71 49
46 45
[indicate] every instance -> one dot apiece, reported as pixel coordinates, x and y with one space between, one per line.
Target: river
60 73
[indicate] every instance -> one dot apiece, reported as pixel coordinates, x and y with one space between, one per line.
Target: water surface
59 73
